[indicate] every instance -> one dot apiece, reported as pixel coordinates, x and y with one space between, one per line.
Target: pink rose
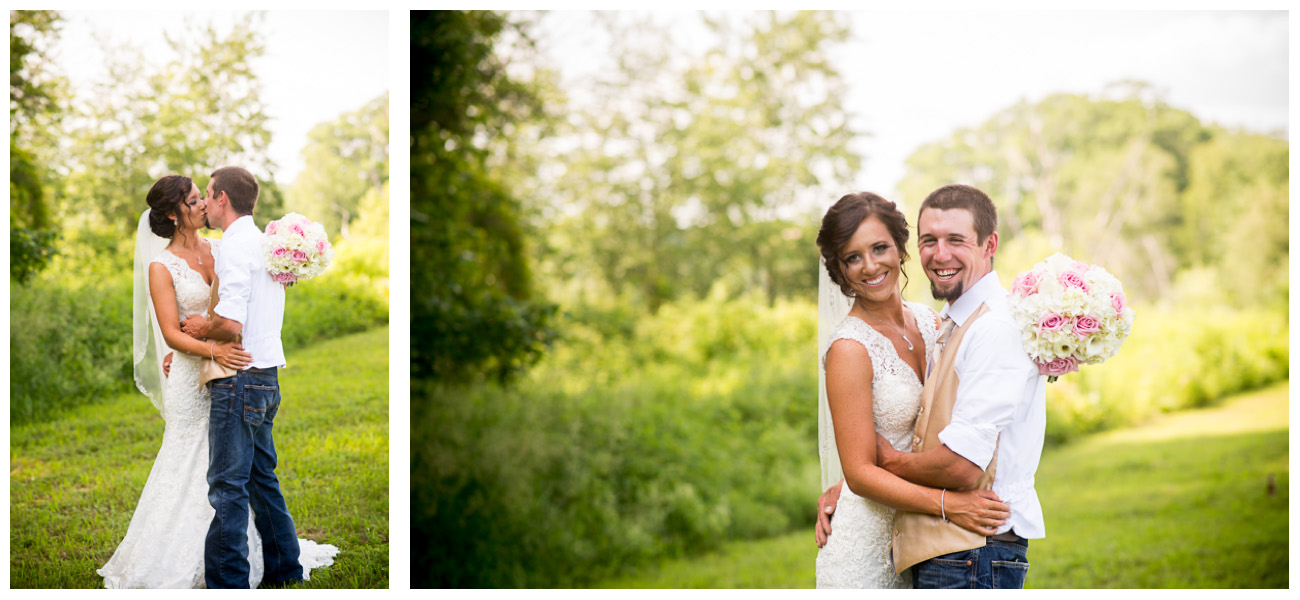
1073 279
297 229
1026 284
1086 325
272 226
321 245
280 251
284 277
1051 322
1059 366
1117 302
299 256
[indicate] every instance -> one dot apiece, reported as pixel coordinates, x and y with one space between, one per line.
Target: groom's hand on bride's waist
825 510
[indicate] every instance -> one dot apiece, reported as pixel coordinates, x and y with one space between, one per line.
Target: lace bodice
192 292
895 389
857 555
193 295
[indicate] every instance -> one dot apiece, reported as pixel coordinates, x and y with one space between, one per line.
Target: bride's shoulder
215 245
853 328
926 317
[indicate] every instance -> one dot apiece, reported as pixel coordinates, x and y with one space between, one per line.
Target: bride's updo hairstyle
843 220
165 199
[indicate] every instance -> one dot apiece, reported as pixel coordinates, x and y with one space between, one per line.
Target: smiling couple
931 424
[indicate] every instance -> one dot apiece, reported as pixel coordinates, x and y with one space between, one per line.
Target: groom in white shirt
988 431
242 459
984 410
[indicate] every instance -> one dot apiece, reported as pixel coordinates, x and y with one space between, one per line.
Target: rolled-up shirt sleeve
235 288
993 372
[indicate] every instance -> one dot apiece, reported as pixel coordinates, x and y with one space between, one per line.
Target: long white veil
148 345
832 307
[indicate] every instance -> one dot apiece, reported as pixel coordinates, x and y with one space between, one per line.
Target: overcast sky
317 65
918 76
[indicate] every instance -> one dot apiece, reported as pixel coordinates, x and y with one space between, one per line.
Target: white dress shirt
247 293
999 391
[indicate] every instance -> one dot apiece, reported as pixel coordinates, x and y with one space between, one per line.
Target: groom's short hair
968 198
239 185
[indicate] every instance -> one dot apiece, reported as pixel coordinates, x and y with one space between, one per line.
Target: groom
241 467
983 408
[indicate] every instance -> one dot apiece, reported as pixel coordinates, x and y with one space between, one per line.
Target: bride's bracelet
942 514
214 344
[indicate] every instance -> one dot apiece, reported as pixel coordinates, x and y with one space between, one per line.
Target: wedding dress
857 553
163 547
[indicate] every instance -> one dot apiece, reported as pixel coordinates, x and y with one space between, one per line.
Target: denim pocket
223 395
953 571
259 402
1009 575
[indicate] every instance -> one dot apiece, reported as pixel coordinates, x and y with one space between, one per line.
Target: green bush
1172 360
69 344
328 307
615 450
70 335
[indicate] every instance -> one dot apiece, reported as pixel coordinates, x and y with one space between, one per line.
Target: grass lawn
1182 502
74 481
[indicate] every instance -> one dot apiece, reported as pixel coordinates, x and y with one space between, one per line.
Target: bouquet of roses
1071 314
296 249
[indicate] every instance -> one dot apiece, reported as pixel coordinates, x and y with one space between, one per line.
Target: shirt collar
962 308
240 223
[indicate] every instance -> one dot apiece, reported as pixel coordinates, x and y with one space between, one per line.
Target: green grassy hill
74 480
1196 499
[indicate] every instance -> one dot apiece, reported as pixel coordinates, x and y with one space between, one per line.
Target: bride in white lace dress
163 547
873 365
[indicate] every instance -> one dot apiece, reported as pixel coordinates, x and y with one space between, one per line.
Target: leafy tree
694 170
201 111
37 98
1235 218
344 158
472 307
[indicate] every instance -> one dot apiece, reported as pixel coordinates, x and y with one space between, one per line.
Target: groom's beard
950 295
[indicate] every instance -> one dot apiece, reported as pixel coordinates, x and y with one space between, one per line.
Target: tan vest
919 537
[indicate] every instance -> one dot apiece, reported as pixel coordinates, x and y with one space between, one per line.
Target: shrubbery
644 437
1172 360
70 335
658 437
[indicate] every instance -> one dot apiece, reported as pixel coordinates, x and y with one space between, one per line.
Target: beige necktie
944 332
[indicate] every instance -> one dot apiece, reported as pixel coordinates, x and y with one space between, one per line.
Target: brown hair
165 199
843 220
965 197
239 185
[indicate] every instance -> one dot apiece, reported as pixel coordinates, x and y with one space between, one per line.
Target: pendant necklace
900 331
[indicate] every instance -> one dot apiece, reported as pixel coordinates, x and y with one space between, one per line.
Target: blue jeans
998 565
241 473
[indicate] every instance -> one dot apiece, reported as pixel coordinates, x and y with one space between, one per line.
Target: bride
174 270
873 366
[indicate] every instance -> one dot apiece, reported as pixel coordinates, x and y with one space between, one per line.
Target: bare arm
848 389
937 467
164 300
218 328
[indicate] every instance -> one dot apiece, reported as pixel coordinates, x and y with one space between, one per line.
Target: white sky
317 65
916 77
